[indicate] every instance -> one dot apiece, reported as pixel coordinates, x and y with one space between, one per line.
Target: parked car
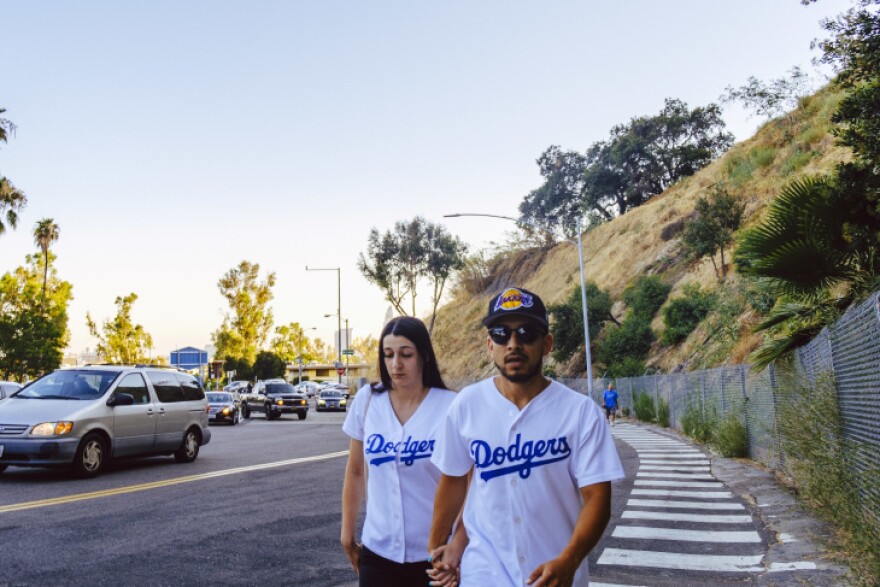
223 407
310 388
273 398
7 388
331 399
81 418
235 385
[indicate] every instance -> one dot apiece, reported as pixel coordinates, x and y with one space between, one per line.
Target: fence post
723 375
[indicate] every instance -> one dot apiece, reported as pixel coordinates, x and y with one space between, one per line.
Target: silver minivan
81 418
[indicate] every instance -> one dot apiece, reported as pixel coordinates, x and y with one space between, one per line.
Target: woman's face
402 360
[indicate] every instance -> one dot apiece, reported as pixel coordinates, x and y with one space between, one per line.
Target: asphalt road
261 505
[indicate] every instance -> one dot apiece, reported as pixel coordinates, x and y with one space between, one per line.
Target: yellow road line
15 507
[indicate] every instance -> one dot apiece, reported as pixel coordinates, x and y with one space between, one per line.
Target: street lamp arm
517 220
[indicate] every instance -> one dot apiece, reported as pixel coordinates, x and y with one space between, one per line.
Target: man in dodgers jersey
542 456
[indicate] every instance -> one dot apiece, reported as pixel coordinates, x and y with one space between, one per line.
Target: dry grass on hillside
619 251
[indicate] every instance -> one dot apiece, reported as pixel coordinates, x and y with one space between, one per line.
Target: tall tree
711 229
32 338
290 341
122 340
246 327
46 232
640 159
12 200
6 126
397 260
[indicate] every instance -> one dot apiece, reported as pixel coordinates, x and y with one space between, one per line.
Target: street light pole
580 247
338 309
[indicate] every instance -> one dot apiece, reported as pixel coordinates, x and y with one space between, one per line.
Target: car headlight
52 429
226 411
279 402
321 402
342 402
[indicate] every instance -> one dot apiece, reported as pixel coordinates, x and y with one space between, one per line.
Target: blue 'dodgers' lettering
386 451
520 457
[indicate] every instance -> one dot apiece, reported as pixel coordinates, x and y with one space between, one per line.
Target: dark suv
274 398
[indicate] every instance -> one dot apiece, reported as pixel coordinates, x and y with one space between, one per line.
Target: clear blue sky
171 140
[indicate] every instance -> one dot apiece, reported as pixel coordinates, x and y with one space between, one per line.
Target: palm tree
816 252
12 200
6 126
45 233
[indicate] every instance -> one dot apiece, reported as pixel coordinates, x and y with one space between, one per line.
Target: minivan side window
166 386
135 385
191 388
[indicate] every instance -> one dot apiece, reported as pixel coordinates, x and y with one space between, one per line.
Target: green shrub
646 296
567 325
739 169
819 459
730 438
763 157
627 367
663 412
681 315
812 135
625 412
797 160
632 339
643 406
698 423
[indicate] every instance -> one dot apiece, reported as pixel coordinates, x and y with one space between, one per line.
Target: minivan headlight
52 429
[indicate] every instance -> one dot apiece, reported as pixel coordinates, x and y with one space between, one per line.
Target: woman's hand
446 563
353 551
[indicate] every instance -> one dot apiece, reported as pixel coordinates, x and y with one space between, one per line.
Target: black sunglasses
526 334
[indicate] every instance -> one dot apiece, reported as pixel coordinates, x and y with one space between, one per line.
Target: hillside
619 251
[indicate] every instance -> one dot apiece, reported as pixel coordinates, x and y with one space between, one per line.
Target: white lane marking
674 493
676 475
695 505
722 537
675 560
594 584
693 484
701 518
785 537
798 566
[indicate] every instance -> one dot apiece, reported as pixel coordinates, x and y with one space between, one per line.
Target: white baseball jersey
401 479
524 497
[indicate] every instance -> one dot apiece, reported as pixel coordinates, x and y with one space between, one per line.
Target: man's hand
445 571
558 572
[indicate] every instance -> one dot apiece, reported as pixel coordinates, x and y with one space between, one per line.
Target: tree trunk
715 265
723 266
45 278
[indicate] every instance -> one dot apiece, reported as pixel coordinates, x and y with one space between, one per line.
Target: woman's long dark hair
415 331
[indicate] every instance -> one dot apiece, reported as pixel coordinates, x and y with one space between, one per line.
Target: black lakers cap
515 301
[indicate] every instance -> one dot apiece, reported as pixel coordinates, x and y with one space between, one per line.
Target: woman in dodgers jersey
393 427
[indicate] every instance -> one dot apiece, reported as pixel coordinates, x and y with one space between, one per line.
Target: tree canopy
122 340
246 326
32 337
640 159
412 252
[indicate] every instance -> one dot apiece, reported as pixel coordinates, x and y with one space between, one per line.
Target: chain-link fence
847 353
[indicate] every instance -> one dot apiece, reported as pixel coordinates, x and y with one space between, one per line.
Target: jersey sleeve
451 455
354 419
596 459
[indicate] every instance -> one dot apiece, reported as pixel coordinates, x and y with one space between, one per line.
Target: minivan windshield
71 384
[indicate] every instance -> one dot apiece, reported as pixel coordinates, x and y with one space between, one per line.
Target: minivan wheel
189 450
90 456
269 414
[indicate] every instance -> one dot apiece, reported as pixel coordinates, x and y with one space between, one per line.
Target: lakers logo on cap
513 299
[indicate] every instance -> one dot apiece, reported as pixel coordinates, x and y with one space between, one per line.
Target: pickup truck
274 398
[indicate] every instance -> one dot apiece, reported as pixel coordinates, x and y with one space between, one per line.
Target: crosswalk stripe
695 505
692 462
694 484
688 476
680 468
671 517
691 494
675 560
718 537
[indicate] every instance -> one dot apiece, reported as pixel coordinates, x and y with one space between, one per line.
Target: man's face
519 361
